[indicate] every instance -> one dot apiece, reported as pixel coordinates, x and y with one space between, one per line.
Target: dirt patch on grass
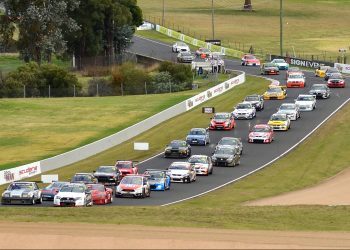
331 192
92 236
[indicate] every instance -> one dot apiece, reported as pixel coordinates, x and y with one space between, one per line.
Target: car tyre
39 201
33 201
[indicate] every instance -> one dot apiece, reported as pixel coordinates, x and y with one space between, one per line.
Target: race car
296 80
224 121
202 164
275 93
22 193
127 167
203 53
281 64
336 81
182 172
290 109
321 71
232 142
136 186
262 133
320 91
292 70
198 136
306 102
269 69
73 195
250 60
86 178
330 71
100 194
256 100
180 47
279 121
49 192
108 175
158 179
244 110
178 149
185 57
226 156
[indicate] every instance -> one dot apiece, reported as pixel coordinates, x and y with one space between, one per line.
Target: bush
161 82
96 71
180 73
103 85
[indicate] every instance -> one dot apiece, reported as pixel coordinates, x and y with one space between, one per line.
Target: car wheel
33 201
239 162
143 193
211 171
111 200
39 201
189 180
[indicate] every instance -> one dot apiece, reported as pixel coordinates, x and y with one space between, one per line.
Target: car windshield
225 151
287 107
250 57
55 185
97 187
244 106
178 167
293 69
260 129
72 189
279 61
156 175
228 141
251 98
197 132
131 180
278 118
294 76
305 98
198 159
124 165
176 144
185 54
336 76
221 116
318 87
15 186
81 178
181 44
106 170
274 90
270 65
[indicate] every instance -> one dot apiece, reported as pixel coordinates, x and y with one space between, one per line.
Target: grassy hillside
310 163
310 27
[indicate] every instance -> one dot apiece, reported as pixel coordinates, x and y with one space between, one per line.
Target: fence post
121 88
146 88
170 86
24 91
97 89
74 90
49 91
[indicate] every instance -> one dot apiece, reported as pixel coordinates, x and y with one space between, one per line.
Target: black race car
178 149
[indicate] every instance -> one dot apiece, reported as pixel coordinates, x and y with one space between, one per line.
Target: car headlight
25 195
185 175
230 158
57 197
183 150
227 123
6 195
138 190
78 198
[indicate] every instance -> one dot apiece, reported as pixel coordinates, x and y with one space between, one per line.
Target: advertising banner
343 68
303 62
19 173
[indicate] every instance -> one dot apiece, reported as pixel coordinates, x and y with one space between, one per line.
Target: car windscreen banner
19 173
302 62
343 68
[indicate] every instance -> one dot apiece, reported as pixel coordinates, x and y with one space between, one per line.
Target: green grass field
223 208
310 27
39 128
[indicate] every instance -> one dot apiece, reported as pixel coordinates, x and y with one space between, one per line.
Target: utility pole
281 27
163 13
212 19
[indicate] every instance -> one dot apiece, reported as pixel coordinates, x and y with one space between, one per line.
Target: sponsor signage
302 62
214 41
19 173
141 146
343 68
208 110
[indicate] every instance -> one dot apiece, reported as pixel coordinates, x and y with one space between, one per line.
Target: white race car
182 172
22 193
180 47
73 195
244 110
281 63
202 164
290 109
306 102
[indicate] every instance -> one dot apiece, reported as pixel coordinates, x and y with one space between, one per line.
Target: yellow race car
321 71
279 121
275 92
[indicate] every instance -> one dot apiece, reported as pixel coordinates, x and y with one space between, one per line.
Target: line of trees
66 27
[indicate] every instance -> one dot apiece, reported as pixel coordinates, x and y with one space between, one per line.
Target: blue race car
159 180
198 136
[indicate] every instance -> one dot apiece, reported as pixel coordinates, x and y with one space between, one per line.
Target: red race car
100 194
262 133
223 121
296 80
127 167
336 81
250 60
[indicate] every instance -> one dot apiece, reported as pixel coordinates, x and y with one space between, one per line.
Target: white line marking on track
267 164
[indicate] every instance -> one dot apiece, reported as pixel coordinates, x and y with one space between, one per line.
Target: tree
248 5
41 25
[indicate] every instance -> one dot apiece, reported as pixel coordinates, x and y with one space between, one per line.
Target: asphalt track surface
254 155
